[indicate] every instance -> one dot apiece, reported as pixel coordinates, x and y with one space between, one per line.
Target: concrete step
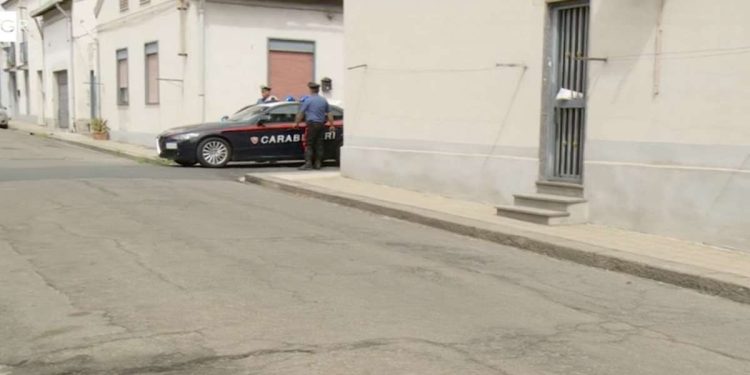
548 201
533 215
559 188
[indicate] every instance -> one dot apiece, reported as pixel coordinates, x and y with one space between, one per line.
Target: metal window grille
572 31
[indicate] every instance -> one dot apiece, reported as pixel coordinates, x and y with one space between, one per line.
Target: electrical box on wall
326 84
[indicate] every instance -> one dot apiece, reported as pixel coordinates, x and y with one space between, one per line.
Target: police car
262 132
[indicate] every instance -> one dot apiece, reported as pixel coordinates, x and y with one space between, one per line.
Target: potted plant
99 129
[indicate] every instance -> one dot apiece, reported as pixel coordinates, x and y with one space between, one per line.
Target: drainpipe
182 7
71 74
44 70
97 82
201 25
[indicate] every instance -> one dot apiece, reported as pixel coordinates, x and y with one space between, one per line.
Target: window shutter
152 74
122 74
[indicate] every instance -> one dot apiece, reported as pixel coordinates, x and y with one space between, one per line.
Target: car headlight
186 136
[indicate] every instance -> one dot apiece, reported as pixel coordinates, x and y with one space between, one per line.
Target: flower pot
100 136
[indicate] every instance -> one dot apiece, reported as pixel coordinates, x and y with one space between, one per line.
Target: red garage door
290 67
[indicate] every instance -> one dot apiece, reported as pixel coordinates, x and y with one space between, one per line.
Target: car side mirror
225 118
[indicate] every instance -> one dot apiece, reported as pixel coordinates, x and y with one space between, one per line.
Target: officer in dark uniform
316 112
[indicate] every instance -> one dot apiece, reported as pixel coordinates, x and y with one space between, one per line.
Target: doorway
61 78
565 97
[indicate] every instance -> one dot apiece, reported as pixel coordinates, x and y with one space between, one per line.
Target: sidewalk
708 269
135 152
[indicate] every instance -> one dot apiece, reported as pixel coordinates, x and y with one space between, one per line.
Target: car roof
277 104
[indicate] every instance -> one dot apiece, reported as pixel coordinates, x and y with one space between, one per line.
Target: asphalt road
108 266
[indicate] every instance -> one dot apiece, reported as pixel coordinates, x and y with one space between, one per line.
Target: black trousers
314 135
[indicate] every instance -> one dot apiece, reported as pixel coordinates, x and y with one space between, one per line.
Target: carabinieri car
261 132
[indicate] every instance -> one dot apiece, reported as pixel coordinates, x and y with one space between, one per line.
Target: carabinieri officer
315 111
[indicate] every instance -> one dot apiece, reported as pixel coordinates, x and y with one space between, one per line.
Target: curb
577 252
123 154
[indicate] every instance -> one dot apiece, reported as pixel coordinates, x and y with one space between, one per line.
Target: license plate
171 145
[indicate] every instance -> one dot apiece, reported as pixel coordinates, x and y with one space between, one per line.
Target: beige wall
431 112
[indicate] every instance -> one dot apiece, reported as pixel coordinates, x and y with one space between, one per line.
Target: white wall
56 58
668 147
236 60
27 105
138 122
84 34
237 50
430 111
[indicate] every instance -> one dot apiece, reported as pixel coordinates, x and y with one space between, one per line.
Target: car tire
214 152
185 163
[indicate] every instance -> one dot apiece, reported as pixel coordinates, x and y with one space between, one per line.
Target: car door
244 132
283 141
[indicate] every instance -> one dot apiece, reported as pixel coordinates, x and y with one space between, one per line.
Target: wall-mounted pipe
182 8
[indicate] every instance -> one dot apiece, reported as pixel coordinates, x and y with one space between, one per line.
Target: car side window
283 114
338 114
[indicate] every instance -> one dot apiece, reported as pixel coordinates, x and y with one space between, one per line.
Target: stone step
533 215
559 188
548 201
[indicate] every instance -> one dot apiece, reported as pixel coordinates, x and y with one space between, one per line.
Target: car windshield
246 113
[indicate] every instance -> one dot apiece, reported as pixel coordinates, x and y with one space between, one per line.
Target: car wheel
185 163
214 153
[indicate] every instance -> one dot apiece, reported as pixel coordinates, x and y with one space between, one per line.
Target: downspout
71 74
202 26
44 69
97 82
182 7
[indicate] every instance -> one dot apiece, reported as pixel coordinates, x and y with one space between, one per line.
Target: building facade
64 78
19 85
169 63
639 104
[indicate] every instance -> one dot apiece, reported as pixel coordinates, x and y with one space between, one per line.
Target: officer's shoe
305 167
318 165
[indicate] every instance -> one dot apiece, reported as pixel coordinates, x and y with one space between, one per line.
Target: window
144 2
247 113
123 96
152 73
124 5
291 65
283 114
